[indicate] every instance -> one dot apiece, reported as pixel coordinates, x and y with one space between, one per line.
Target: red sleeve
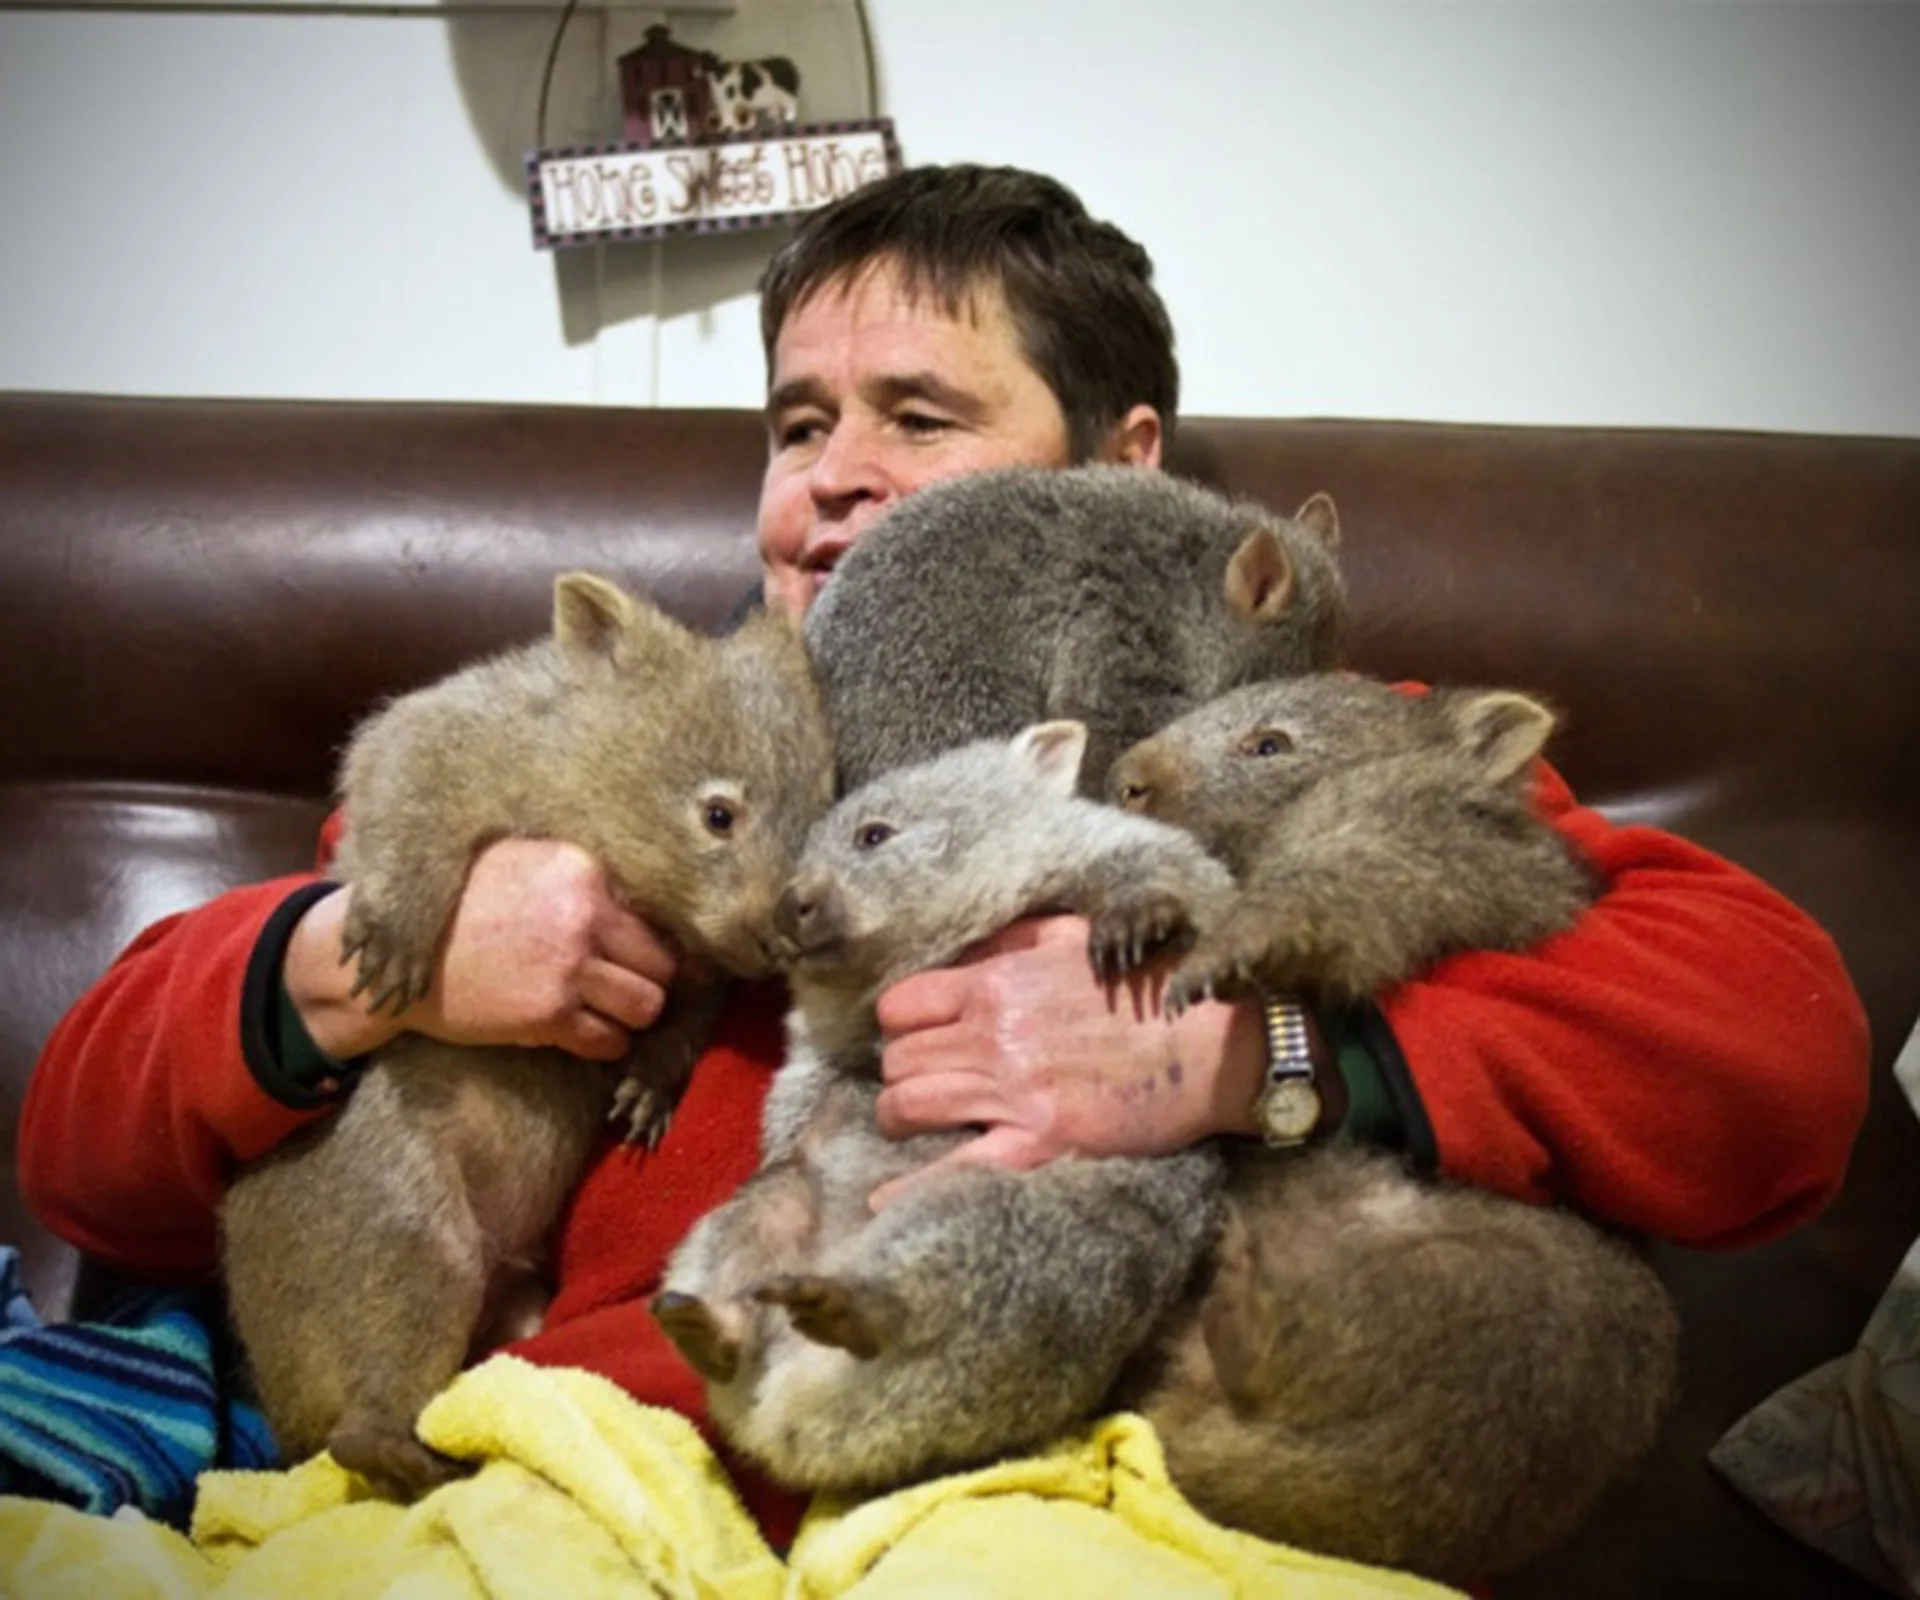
1688 1060
143 1100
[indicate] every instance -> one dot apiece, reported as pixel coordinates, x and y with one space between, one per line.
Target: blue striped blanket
125 1411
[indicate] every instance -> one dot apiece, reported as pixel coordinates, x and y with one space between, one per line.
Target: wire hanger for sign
546 76
709 145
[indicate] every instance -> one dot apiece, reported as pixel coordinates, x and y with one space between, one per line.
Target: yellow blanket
583 1493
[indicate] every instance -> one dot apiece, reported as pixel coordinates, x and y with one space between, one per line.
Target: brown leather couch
197 599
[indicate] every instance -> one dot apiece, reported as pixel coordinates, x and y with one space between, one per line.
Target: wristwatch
1290 1108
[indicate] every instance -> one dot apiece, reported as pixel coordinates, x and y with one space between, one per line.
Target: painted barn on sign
666 93
670 94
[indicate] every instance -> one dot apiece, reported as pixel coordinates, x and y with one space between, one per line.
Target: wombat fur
1109 595
370 1257
985 1310
1409 1373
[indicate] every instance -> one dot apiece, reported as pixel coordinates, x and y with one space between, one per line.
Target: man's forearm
1235 1037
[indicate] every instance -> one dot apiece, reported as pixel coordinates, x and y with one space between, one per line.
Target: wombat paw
1189 986
855 1317
391 970
1205 977
397 1465
1126 936
690 1323
645 1107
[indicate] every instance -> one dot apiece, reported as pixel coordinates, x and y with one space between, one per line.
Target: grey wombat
368 1258
1409 1373
984 1310
1114 596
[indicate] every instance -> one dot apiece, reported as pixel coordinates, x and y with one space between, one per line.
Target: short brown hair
1079 290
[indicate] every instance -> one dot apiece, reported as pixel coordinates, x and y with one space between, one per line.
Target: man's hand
1024 1042
539 953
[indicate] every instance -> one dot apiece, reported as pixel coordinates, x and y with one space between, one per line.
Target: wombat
1370 832
983 1311
1404 1372
1108 595
370 1257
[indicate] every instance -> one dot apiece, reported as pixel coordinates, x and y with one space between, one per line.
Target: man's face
874 395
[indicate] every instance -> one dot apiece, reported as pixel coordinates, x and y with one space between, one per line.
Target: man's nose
851 468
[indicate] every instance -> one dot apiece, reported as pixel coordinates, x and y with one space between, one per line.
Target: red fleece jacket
1689 1060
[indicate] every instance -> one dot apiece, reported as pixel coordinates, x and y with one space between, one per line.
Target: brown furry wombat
984 1310
368 1258
1114 596
1409 1373
1370 832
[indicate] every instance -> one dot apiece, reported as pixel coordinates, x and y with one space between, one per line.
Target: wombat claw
395 981
831 1311
1124 938
1201 978
644 1108
696 1333
1185 989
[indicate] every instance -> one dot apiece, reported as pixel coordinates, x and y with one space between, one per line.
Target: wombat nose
810 918
1138 780
792 914
1130 784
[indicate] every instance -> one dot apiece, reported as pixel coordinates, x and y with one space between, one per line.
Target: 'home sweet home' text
640 192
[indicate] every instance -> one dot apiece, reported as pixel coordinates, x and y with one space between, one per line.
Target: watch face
1290 1110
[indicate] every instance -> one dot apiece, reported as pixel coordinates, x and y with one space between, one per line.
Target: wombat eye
719 817
872 835
1266 742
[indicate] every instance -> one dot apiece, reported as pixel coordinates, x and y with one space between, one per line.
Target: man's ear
1135 440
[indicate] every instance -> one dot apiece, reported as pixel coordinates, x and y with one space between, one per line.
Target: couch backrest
198 599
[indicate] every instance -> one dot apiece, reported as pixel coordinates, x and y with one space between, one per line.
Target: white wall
1699 213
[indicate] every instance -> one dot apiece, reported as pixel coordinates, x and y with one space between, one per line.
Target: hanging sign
592 194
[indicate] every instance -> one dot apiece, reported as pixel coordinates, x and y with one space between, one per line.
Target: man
1689 1061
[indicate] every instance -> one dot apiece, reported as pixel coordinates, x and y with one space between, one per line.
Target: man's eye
922 422
797 431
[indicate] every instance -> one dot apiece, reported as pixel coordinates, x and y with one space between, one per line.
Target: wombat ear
1320 519
589 613
1502 730
593 617
1259 582
1053 750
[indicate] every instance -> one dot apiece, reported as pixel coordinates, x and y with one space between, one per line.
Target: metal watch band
1290 1107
